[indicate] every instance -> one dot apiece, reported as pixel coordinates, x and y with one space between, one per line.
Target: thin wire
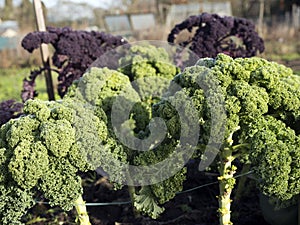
129 202
212 183
108 203
93 204
199 187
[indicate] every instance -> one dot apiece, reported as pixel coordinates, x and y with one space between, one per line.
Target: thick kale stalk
226 181
81 211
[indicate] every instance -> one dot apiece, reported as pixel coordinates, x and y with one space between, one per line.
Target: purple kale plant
28 91
212 34
9 109
74 52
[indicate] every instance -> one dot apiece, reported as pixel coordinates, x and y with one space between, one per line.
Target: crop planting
140 114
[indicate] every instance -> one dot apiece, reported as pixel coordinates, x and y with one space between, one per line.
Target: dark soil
198 207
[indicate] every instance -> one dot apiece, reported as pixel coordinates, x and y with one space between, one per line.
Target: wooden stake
261 17
40 23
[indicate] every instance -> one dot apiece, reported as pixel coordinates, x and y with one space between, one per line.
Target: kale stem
240 146
131 190
226 181
83 216
241 184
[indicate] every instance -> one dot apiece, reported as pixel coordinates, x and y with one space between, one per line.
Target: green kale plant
143 76
43 151
40 154
260 127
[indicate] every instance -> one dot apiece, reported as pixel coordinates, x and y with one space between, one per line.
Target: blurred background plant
277 21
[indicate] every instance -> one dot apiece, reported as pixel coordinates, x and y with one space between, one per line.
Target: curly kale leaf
38 108
196 95
99 88
147 61
215 34
161 191
167 189
60 184
24 128
90 132
284 97
58 136
144 201
93 97
253 100
28 163
294 176
14 203
150 70
274 157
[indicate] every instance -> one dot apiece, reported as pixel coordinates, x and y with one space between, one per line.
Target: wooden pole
40 23
261 17
296 16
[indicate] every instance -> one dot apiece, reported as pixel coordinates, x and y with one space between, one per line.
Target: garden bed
195 207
